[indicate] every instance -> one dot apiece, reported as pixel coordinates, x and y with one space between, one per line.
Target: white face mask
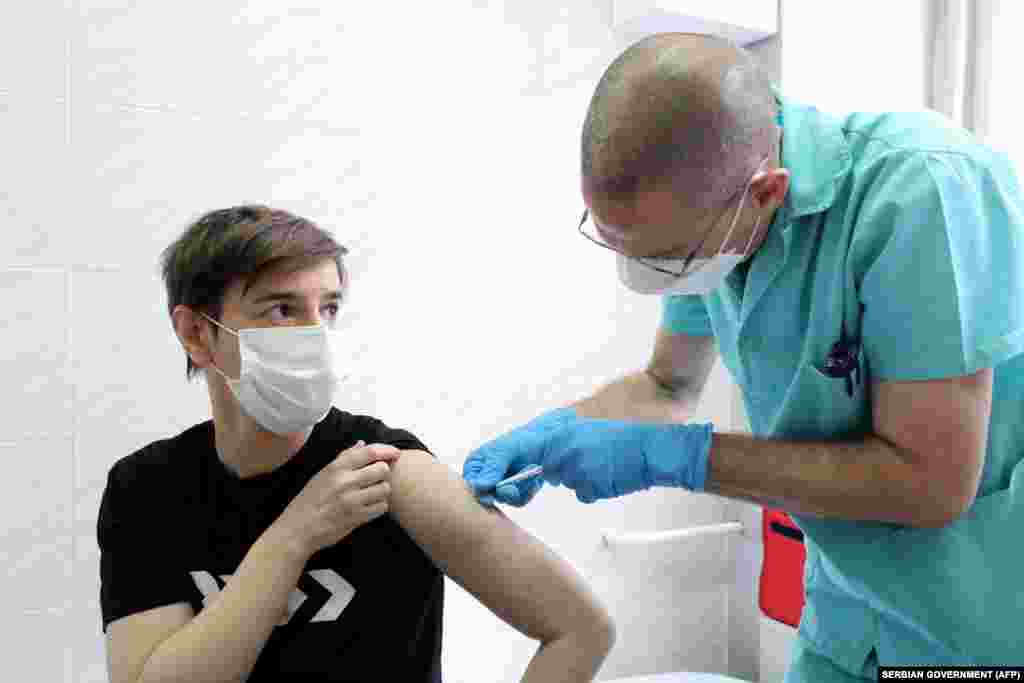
703 275
288 375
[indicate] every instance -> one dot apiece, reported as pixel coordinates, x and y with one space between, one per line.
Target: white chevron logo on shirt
339 590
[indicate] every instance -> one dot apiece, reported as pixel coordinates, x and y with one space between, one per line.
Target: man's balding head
690 112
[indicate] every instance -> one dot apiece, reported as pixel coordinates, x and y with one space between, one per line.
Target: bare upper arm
942 426
132 639
504 567
682 361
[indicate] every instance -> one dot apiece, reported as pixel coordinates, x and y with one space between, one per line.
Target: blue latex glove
597 458
609 458
510 454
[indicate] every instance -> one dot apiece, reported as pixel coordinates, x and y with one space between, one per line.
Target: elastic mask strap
224 328
739 209
752 235
218 324
221 373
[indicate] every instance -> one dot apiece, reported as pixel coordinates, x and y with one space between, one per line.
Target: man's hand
597 458
602 459
348 492
510 454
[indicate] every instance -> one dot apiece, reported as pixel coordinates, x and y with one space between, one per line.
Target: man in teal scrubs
862 278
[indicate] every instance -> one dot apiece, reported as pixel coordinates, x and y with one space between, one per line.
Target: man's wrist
702 456
678 455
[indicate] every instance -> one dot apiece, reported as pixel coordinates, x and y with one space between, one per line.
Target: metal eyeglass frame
689 259
643 260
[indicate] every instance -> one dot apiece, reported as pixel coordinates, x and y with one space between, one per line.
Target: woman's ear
188 325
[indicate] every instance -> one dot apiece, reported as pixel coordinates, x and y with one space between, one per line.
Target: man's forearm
866 480
640 397
223 641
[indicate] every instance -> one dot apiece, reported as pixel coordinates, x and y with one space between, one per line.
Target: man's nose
610 238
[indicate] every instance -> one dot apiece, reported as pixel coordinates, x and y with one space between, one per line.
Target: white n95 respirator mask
288 376
702 276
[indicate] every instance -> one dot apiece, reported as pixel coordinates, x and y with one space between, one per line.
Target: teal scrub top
903 229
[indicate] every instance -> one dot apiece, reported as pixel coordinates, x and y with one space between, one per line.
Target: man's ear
188 325
770 189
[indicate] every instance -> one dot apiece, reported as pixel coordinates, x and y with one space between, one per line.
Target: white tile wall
830 68
36 36
149 171
35 649
440 142
37 184
656 625
776 648
85 645
256 59
35 355
37 544
744 613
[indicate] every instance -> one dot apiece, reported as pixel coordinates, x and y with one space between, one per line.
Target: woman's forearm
223 641
575 657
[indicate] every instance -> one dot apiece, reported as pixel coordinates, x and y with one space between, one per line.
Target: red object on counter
781 592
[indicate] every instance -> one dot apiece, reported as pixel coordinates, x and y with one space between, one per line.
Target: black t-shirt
175 523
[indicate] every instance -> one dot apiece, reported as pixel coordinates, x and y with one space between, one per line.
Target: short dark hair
241 242
634 143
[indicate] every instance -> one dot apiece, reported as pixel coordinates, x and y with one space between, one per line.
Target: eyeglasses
646 261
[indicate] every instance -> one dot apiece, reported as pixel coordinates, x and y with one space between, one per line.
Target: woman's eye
281 307
287 310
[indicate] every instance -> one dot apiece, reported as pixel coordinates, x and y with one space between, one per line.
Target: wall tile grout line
73 389
70 10
209 116
41 611
35 436
37 269
74 267
726 615
22 99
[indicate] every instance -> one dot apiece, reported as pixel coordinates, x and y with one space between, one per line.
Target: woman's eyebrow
334 295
